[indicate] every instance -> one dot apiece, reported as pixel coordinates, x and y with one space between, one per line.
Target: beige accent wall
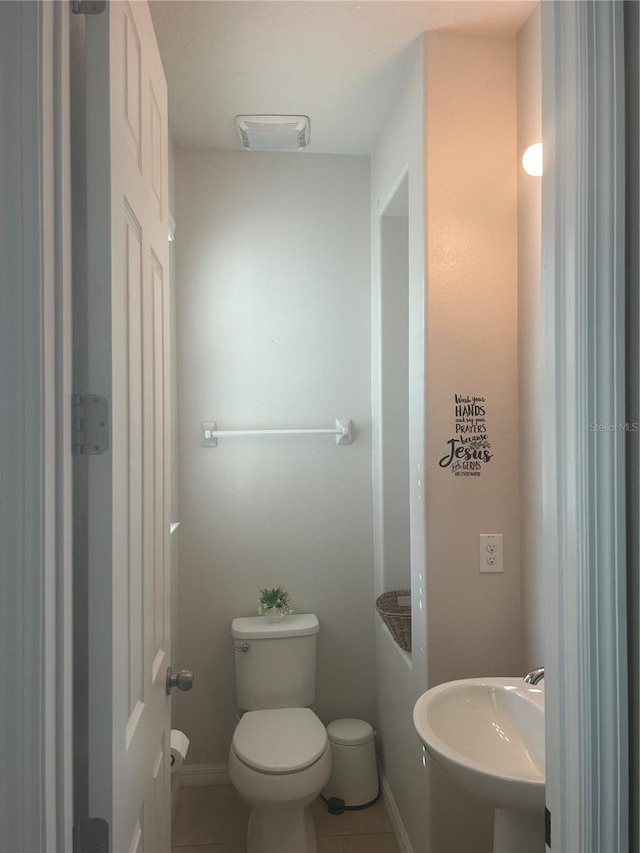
474 619
530 344
453 130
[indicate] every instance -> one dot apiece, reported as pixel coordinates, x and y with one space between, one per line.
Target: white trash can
353 783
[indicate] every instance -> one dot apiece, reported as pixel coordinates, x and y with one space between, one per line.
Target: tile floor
213 819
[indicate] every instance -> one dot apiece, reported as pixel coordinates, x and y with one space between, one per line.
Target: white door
128 340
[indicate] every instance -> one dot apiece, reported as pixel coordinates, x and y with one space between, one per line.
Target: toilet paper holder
179 748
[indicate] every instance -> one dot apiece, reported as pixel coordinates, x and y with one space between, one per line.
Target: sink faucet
534 676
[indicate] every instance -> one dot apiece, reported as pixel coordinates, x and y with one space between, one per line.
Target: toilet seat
282 740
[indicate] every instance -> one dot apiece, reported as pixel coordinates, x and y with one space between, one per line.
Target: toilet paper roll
179 748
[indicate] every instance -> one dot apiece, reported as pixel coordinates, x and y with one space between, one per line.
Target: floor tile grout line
187 844
200 801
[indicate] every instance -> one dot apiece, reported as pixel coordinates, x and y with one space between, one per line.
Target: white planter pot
274 614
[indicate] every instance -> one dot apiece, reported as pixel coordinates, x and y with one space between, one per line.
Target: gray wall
273 331
175 503
401 678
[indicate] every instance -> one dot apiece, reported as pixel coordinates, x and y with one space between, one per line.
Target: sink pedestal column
517 832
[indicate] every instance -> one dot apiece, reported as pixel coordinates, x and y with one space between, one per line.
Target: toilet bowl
279 762
280 758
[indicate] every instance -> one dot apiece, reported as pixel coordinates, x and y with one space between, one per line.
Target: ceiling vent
273 133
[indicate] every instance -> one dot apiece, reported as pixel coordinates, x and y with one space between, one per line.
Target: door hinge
547 828
90 424
91 835
88 7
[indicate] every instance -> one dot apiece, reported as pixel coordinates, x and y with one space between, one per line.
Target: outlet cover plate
490 555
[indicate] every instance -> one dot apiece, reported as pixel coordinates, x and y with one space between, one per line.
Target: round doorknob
183 680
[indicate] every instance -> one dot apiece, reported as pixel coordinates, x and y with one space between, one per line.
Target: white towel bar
211 433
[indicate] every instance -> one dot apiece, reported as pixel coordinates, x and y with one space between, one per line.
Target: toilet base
281 830
280 821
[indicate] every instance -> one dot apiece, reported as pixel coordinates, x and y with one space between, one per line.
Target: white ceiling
337 61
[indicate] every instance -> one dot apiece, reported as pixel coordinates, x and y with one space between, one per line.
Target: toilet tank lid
259 628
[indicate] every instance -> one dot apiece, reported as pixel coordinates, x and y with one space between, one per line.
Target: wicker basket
396 617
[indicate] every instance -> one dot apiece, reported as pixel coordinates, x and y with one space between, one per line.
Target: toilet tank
278 669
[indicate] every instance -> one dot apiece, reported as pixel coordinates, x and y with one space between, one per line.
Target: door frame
632 120
583 341
35 437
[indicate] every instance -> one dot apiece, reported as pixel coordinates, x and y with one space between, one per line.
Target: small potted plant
274 603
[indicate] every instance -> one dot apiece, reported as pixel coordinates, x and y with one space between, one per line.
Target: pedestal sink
488 734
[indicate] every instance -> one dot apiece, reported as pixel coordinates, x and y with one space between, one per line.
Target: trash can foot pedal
335 805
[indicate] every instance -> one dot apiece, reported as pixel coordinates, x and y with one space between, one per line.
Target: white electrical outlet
490 552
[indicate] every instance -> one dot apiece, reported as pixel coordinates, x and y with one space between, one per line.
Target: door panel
128 487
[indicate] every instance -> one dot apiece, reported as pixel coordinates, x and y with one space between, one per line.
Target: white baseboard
394 814
204 774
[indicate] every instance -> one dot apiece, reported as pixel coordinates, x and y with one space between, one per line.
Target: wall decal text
469 449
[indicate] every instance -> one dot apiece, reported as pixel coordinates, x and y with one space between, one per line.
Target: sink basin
488 734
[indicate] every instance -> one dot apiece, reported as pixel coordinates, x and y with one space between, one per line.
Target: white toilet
280 757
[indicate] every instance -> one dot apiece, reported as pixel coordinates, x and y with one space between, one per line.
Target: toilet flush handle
243 648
